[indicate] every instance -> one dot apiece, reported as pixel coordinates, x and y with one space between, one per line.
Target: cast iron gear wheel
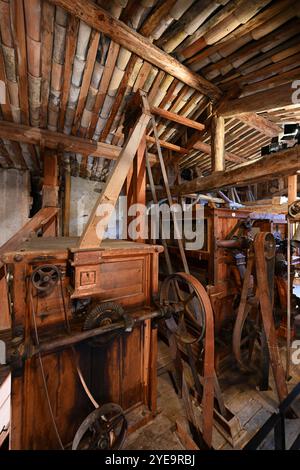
104 314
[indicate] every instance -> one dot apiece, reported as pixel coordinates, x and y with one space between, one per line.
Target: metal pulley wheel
105 314
103 429
180 292
44 278
294 209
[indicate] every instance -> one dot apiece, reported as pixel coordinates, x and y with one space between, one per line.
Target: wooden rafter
102 21
260 123
177 118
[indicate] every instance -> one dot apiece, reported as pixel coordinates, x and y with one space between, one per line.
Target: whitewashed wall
15 202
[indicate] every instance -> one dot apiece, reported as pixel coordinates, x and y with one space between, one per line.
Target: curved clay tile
33 56
10 63
73 96
33 19
13 91
115 81
91 98
78 68
34 85
56 76
59 43
83 40
123 58
97 75
61 17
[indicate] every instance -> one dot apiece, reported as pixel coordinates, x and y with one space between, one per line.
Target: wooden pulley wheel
188 322
103 429
192 322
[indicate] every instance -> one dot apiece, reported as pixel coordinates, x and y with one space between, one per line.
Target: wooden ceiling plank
119 97
47 27
71 41
112 56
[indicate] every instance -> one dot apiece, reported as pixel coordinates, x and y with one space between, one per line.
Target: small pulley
106 314
45 278
103 429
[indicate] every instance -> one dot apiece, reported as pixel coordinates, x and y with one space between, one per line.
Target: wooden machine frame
58 367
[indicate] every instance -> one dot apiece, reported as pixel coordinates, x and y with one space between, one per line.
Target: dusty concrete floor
251 407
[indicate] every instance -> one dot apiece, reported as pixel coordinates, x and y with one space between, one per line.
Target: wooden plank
89 68
67 201
112 56
5 320
102 21
40 219
5 107
282 163
274 98
167 145
94 230
71 41
50 182
118 100
153 371
47 27
18 26
177 118
184 436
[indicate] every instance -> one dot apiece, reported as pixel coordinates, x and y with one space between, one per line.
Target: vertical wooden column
50 186
67 200
292 188
136 180
217 143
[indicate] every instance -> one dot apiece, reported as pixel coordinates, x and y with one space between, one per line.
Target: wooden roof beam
102 21
52 140
282 163
266 100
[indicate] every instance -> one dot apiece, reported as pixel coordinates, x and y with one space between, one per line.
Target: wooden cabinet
120 368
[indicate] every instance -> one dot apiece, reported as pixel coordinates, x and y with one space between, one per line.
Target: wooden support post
136 183
50 186
218 143
67 200
292 189
139 181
